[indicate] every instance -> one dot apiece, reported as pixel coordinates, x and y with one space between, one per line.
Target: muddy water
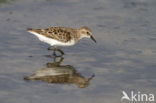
123 59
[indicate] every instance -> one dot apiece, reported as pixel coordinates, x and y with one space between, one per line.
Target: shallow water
124 57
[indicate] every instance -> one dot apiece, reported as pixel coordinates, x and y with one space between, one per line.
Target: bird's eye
88 33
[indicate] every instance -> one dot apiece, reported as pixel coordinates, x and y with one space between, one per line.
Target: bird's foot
59 50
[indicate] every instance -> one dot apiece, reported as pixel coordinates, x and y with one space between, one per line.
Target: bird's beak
93 38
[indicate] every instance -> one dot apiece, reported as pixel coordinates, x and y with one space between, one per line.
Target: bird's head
86 32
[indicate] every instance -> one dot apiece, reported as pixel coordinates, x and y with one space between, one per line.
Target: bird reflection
60 74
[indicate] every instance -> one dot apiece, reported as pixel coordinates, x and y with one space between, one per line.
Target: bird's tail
29 29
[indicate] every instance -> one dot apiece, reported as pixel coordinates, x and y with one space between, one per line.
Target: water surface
123 59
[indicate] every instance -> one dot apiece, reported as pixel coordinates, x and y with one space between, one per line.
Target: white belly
51 41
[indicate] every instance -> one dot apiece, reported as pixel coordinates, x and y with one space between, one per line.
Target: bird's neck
77 36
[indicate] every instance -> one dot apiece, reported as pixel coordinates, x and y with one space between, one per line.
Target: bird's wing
57 33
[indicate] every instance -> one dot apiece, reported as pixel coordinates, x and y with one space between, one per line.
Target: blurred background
124 57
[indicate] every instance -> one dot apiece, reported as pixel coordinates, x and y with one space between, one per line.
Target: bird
61 36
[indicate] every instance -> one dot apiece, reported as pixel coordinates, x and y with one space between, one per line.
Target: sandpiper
61 36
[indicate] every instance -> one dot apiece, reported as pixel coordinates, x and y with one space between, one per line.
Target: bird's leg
50 48
55 49
54 52
59 61
60 51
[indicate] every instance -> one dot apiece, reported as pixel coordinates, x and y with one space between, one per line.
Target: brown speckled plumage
58 33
